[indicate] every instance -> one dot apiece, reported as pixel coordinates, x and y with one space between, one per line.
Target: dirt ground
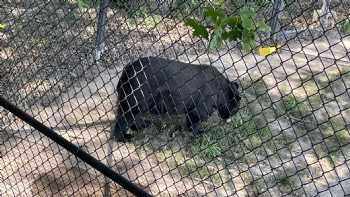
304 153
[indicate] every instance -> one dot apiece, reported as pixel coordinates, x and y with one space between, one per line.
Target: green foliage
205 148
344 26
185 7
149 20
120 4
198 29
290 102
218 3
2 26
86 3
232 28
83 3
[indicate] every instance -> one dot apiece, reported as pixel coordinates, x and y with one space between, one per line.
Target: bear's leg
197 115
140 123
193 122
119 129
125 121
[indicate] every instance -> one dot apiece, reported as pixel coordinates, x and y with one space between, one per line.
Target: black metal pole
96 164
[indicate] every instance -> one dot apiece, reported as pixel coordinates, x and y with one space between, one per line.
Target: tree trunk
101 28
274 22
324 16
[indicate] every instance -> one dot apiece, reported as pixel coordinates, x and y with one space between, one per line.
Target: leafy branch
232 28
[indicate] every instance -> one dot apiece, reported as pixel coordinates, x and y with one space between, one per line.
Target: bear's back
183 79
180 74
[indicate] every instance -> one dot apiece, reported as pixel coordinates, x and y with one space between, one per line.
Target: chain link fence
290 136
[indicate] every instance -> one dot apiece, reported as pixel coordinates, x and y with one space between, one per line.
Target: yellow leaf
265 51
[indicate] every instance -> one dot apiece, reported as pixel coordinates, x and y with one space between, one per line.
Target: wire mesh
290 136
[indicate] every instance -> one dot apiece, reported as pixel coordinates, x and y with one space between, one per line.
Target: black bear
158 86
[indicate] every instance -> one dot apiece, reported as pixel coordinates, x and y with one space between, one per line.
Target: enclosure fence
62 61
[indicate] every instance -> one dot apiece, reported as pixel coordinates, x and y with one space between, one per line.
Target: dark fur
160 86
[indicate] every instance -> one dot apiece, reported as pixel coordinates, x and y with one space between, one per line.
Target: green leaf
232 35
218 3
216 38
247 15
345 26
214 15
83 3
263 26
198 29
248 39
232 21
2 26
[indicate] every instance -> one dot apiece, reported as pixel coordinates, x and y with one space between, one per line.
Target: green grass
202 172
206 147
248 131
290 102
260 87
249 135
245 133
191 166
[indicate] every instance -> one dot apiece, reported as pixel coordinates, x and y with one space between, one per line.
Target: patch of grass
260 87
290 102
206 147
191 167
248 131
295 108
149 20
255 90
245 133
203 172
